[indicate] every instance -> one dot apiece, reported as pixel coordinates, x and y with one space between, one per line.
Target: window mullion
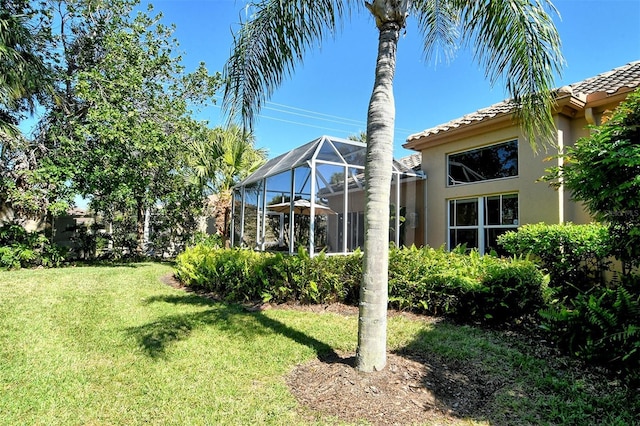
481 223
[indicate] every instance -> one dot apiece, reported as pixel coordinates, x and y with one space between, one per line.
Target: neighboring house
482 175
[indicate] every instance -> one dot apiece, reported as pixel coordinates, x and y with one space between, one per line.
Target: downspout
589 116
425 203
560 164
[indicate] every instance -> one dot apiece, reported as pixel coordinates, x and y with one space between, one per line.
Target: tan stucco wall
538 202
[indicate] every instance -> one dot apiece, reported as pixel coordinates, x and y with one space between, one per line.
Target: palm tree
514 39
238 159
220 160
238 156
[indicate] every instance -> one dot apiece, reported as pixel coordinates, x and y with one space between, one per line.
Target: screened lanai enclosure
313 198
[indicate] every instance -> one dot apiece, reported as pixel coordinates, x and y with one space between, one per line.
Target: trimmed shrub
575 256
508 291
467 286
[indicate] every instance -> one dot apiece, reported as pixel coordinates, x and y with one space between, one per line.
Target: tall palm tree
514 39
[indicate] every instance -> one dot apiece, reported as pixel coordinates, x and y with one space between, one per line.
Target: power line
317 113
359 122
301 124
346 121
401 132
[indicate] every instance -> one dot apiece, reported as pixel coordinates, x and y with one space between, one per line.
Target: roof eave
418 143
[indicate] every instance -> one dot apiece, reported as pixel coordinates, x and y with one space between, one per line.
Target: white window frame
481 226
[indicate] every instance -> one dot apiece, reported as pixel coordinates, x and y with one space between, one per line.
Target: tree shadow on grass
463 388
155 337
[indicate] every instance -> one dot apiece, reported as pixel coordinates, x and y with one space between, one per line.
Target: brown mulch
409 390
413 388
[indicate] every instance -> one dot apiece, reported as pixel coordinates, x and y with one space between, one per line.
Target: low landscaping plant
464 285
243 275
601 326
467 286
590 317
22 249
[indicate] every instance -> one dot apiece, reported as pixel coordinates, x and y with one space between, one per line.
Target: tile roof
611 81
411 162
608 82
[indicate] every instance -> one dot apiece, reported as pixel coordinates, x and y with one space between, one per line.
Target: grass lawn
114 345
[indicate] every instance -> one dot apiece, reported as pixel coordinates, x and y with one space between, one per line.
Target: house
482 174
470 180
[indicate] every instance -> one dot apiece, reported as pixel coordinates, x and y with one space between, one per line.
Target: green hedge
467 286
589 317
575 256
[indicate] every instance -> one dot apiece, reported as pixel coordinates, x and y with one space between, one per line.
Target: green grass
113 345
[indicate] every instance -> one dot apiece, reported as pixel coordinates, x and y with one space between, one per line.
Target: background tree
603 171
122 125
30 187
515 40
360 137
23 73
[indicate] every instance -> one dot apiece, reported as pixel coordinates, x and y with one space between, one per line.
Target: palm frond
268 47
517 40
439 24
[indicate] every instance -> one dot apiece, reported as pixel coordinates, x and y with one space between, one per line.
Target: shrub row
432 281
575 256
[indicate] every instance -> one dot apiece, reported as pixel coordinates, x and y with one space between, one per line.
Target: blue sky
329 92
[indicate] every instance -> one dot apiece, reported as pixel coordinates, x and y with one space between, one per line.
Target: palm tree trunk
372 327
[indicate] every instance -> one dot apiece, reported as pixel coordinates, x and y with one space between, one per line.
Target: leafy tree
603 171
122 128
515 39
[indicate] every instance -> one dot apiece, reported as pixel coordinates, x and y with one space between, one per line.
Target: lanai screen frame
303 167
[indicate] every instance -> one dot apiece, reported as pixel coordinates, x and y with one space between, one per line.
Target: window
477 222
492 162
463 223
